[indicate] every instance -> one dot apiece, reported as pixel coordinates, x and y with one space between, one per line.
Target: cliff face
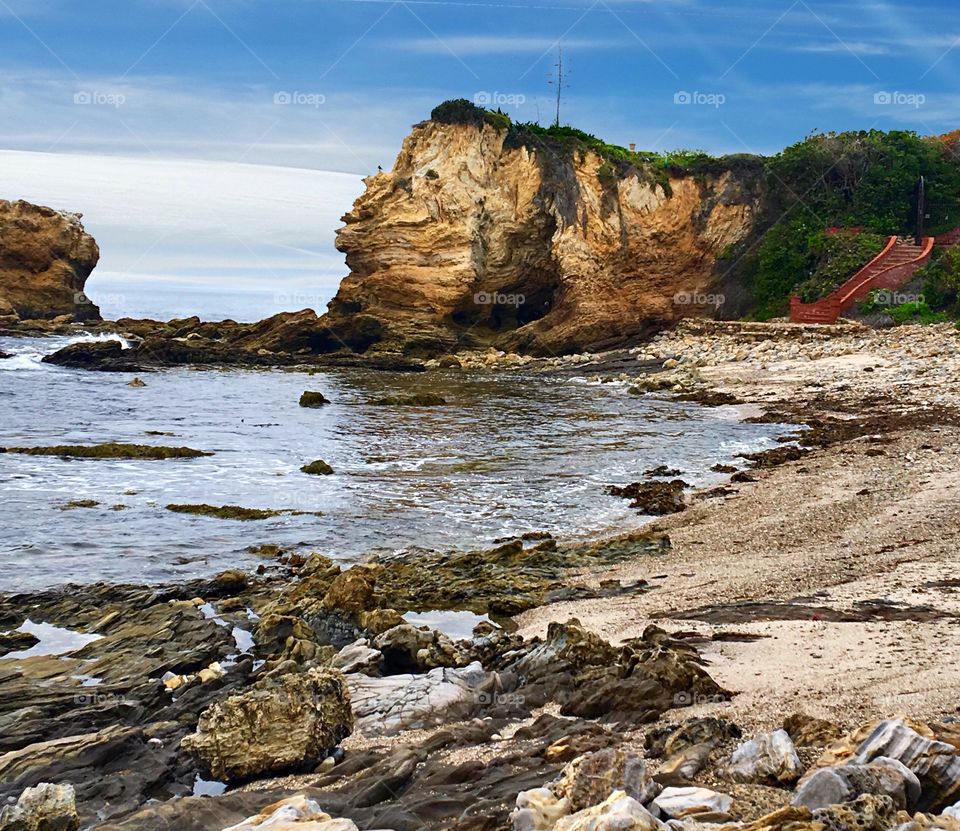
45 259
469 241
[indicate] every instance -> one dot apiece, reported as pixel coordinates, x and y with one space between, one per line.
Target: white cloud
861 48
176 223
465 45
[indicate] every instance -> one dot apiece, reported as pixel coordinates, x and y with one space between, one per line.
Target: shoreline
817 583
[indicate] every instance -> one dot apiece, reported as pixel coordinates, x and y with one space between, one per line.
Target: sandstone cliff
45 259
474 239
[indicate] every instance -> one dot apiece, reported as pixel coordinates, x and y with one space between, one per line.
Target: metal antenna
558 82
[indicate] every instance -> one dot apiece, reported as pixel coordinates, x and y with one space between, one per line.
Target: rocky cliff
477 238
45 259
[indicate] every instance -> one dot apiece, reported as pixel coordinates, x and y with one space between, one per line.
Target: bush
916 313
837 257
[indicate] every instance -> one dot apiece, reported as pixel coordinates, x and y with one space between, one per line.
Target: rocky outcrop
281 724
480 237
45 259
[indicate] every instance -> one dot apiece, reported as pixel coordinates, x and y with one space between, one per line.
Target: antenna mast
559 83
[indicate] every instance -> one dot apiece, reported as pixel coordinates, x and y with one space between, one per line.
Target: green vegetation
109 450
863 179
917 312
423 399
941 287
834 258
318 467
564 140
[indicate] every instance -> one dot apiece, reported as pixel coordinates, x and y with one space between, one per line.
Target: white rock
387 706
618 812
292 814
684 802
538 810
767 756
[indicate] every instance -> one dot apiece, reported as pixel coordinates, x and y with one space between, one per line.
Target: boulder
808 731
318 467
590 779
409 648
618 812
390 705
46 807
313 399
352 591
281 724
538 810
769 757
358 657
100 356
695 803
845 783
936 764
45 259
291 814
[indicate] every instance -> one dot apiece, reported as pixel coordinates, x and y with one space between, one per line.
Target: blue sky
334 85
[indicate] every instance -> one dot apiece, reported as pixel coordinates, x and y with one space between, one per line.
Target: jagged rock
45 259
618 812
281 724
680 803
46 807
808 731
353 590
538 810
102 356
936 764
378 621
653 498
386 706
589 779
866 813
844 783
358 657
409 648
291 814
766 757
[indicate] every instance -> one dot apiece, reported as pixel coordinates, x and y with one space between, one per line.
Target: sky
214 143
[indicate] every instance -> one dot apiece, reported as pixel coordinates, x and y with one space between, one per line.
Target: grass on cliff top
109 450
567 139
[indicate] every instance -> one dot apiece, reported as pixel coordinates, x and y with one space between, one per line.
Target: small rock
679 803
313 399
618 812
767 757
136 382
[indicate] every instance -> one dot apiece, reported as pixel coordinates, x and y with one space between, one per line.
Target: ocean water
509 454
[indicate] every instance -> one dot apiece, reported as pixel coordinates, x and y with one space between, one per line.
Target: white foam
54 640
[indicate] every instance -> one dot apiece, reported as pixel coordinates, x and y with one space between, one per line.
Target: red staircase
890 269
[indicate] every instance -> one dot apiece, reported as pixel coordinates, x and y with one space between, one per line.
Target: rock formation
45 259
476 237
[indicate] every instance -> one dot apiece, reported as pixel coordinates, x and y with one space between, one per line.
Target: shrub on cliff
462 111
836 258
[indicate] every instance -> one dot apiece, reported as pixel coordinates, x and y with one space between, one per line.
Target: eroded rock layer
471 240
45 259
